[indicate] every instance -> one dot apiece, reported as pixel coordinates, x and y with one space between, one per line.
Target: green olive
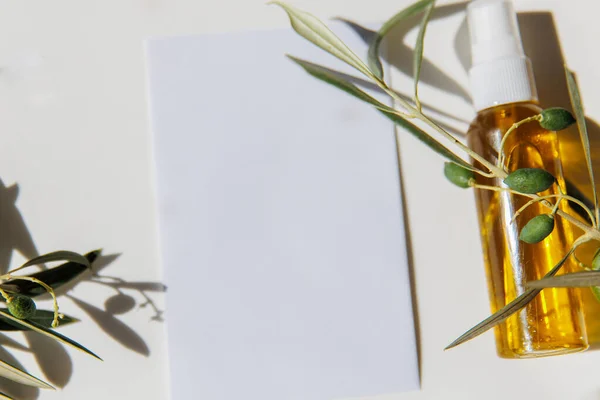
530 180
20 306
458 175
537 229
556 119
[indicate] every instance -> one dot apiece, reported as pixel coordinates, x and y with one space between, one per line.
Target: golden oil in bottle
553 322
504 93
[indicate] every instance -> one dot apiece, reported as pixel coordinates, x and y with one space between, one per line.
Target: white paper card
281 223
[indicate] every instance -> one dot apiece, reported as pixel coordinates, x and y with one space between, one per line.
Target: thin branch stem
49 289
533 201
5 295
581 264
495 189
513 128
497 172
413 112
479 172
591 232
395 96
555 209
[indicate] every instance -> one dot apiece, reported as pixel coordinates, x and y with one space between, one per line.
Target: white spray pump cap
501 73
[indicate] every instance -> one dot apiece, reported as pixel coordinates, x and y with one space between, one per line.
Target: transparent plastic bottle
504 93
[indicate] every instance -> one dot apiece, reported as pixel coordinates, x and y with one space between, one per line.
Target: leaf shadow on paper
53 359
399 55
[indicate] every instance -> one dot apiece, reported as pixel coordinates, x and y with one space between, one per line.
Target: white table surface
75 138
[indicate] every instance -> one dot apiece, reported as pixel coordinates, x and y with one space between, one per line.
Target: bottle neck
502 81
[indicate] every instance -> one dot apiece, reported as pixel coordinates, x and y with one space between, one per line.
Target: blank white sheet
281 225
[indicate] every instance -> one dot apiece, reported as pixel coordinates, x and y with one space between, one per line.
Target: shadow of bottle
542 45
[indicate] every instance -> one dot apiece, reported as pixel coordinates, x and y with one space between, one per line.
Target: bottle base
522 353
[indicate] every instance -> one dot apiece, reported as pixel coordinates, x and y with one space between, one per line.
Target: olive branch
527 182
21 313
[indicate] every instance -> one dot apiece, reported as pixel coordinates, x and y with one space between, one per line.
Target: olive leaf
41 317
575 279
329 76
312 29
373 54
19 376
34 326
61 255
53 277
508 310
418 56
583 133
5 396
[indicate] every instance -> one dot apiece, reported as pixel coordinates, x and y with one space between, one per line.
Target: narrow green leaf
577 105
34 326
312 29
61 255
373 54
19 376
426 139
575 279
508 310
418 55
53 277
329 76
41 317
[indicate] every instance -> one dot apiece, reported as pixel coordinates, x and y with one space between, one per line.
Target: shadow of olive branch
15 235
434 76
14 389
113 327
119 304
402 55
55 363
53 359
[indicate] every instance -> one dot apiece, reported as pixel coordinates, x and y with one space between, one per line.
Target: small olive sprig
406 111
525 181
23 307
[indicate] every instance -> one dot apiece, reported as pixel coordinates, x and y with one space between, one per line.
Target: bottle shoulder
503 116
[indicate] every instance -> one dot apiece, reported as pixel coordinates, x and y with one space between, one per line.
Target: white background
75 137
